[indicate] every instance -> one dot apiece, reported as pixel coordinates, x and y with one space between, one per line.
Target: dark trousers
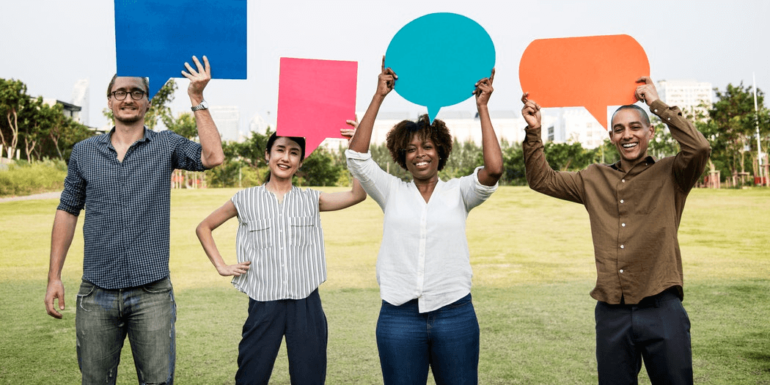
446 340
302 322
656 330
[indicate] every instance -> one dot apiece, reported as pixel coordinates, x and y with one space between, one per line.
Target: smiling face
284 158
422 158
128 110
631 135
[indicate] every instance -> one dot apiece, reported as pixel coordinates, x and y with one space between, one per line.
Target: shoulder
308 192
247 192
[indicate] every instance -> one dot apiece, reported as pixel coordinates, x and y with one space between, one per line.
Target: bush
25 178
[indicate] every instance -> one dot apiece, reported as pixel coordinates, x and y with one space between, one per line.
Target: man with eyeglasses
123 179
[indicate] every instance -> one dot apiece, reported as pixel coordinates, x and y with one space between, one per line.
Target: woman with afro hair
427 318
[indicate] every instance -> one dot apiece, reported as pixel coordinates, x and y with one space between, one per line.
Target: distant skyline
50 45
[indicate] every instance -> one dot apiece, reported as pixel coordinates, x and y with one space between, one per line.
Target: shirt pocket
647 195
259 234
302 230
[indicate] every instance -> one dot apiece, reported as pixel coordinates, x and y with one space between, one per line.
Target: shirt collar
650 160
148 135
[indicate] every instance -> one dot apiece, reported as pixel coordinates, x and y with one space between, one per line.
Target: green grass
533 268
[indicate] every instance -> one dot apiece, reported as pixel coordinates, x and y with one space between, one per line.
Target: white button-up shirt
424 252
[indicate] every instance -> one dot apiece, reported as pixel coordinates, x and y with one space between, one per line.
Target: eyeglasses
121 95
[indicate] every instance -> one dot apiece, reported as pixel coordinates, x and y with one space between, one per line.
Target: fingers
50 308
644 79
190 69
198 64
353 123
492 77
524 97
207 65
187 75
383 64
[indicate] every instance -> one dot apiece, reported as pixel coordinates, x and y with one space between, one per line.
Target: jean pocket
86 288
159 286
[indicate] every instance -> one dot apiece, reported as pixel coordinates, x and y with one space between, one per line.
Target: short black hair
641 111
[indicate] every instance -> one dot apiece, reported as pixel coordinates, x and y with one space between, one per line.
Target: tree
184 124
319 169
731 127
13 99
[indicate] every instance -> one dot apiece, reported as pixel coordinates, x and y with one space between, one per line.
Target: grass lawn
533 268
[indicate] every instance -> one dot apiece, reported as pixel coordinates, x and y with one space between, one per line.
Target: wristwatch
203 106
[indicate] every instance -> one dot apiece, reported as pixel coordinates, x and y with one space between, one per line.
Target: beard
130 120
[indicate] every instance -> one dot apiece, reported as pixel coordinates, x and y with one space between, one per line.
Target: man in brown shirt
635 207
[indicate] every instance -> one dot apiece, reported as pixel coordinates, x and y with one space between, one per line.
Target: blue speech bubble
155 38
439 58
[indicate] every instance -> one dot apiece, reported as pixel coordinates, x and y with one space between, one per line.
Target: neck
426 184
627 165
278 186
128 133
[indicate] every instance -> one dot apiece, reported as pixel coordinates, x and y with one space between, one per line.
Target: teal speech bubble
439 58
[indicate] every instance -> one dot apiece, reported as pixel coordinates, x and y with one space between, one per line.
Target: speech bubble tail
599 113
433 112
156 83
311 144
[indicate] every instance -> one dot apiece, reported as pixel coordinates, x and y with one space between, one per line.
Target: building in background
256 124
80 97
576 125
228 121
70 110
689 95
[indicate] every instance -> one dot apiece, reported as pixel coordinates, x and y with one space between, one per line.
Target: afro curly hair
401 135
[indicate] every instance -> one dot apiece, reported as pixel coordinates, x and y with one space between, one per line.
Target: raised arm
540 176
216 219
211 144
695 149
493 156
344 199
385 83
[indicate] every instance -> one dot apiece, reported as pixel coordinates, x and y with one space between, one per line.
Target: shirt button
623 180
623 224
621 271
621 201
622 246
669 118
656 110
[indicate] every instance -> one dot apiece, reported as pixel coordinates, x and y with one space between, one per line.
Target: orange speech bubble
593 72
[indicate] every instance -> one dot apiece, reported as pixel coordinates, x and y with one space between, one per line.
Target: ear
267 156
652 131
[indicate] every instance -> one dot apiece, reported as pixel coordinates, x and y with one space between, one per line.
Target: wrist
196 98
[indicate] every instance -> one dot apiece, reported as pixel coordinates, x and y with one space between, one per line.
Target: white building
228 121
686 94
80 97
576 125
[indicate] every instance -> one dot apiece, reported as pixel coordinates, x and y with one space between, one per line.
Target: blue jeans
656 329
104 317
446 340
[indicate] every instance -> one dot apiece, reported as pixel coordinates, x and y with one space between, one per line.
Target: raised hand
386 80
646 92
234 270
530 111
349 132
198 78
484 89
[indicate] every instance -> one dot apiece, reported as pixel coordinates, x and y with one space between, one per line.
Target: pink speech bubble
315 98
593 72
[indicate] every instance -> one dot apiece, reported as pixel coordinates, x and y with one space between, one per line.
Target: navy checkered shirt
126 229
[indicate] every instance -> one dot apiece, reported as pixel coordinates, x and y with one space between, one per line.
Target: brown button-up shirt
634 213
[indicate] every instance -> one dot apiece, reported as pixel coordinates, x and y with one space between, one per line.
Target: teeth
421 164
629 145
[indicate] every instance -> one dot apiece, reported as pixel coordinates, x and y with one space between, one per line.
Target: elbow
200 230
214 160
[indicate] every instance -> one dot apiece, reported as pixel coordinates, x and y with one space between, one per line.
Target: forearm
206 238
493 155
363 136
542 178
211 144
61 238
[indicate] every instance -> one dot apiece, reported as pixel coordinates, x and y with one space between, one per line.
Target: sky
50 44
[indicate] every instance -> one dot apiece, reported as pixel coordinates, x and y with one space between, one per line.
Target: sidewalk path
49 195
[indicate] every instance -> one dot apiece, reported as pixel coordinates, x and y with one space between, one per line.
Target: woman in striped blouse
281 263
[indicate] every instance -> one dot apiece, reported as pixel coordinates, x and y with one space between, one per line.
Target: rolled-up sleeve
73 198
186 153
473 191
375 181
